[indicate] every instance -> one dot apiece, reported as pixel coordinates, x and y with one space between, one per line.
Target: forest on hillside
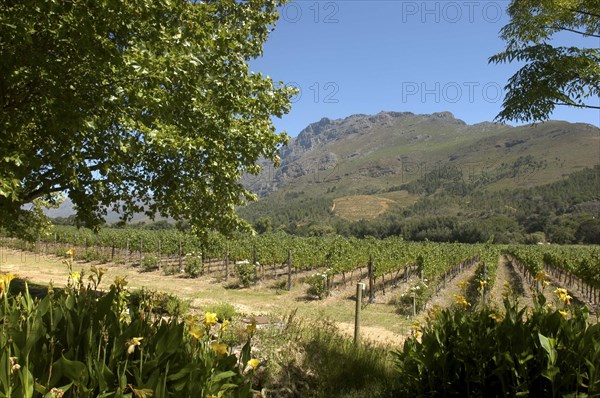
452 210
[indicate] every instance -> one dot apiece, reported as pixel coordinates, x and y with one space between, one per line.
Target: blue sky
361 56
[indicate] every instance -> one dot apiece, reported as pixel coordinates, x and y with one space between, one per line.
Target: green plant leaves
75 341
540 354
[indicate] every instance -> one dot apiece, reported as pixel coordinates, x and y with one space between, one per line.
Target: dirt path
445 297
506 274
374 334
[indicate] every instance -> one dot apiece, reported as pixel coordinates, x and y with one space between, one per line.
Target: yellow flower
5 280
497 317
563 313
463 284
547 283
210 318
560 291
197 333
75 276
253 363
99 271
482 284
225 325
125 316
71 252
251 328
8 277
14 366
219 348
191 321
56 393
461 300
416 325
563 295
120 282
134 342
540 276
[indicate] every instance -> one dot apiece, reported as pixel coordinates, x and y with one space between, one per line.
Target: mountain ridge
402 139
384 156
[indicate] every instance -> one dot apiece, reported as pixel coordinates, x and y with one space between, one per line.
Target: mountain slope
398 158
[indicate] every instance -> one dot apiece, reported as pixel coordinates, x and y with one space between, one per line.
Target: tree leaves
144 105
552 75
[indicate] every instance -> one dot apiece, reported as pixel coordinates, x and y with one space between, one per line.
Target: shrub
148 302
193 265
317 285
246 272
223 310
89 254
417 295
149 262
313 358
170 269
76 343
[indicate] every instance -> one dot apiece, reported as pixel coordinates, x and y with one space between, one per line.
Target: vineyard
405 284
336 261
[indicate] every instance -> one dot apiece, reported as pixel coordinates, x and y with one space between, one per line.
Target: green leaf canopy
138 105
551 75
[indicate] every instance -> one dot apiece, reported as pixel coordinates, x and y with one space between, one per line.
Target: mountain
362 166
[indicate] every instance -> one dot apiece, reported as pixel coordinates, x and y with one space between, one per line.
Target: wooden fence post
289 269
159 264
180 258
359 289
371 284
227 260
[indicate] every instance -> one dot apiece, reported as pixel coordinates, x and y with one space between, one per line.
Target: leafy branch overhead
552 75
139 105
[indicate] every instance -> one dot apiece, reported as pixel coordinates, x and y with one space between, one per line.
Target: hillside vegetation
434 177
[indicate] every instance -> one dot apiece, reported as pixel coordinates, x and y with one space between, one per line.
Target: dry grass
361 207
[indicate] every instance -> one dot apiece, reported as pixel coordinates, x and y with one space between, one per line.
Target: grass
315 359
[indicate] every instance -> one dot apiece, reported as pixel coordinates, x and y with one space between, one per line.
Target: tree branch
38 193
577 105
591 14
572 30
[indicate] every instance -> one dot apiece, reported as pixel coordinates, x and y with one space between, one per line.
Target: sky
366 56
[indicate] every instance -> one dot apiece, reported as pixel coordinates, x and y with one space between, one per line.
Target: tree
135 105
263 225
551 75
